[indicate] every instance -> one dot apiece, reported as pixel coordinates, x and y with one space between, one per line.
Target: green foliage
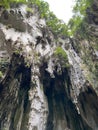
62 57
17 52
81 6
74 24
57 26
60 52
77 23
29 10
6 3
1 74
44 9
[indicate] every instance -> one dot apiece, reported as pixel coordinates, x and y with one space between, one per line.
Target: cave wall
40 90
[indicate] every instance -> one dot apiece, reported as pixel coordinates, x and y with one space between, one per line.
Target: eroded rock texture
39 89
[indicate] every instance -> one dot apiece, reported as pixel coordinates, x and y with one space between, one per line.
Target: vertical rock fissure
21 114
14 94
63 113
88 101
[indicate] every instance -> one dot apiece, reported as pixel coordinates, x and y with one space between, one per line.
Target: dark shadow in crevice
22 98
88 105
62 111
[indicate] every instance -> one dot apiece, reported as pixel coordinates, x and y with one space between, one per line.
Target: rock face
44 83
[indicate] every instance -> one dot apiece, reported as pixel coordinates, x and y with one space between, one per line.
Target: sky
61 8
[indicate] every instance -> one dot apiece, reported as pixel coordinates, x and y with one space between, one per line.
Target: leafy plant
57 26
81 7
62 57
1 74
6 3
29 10
77 23
74 24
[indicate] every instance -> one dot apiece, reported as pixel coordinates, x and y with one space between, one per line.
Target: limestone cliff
45 82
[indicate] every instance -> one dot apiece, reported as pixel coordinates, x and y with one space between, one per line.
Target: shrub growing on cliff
1 74
56 25
62 57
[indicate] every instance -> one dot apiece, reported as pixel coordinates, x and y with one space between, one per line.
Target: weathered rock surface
38 91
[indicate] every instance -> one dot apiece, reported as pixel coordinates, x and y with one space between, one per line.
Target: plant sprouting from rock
61 55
